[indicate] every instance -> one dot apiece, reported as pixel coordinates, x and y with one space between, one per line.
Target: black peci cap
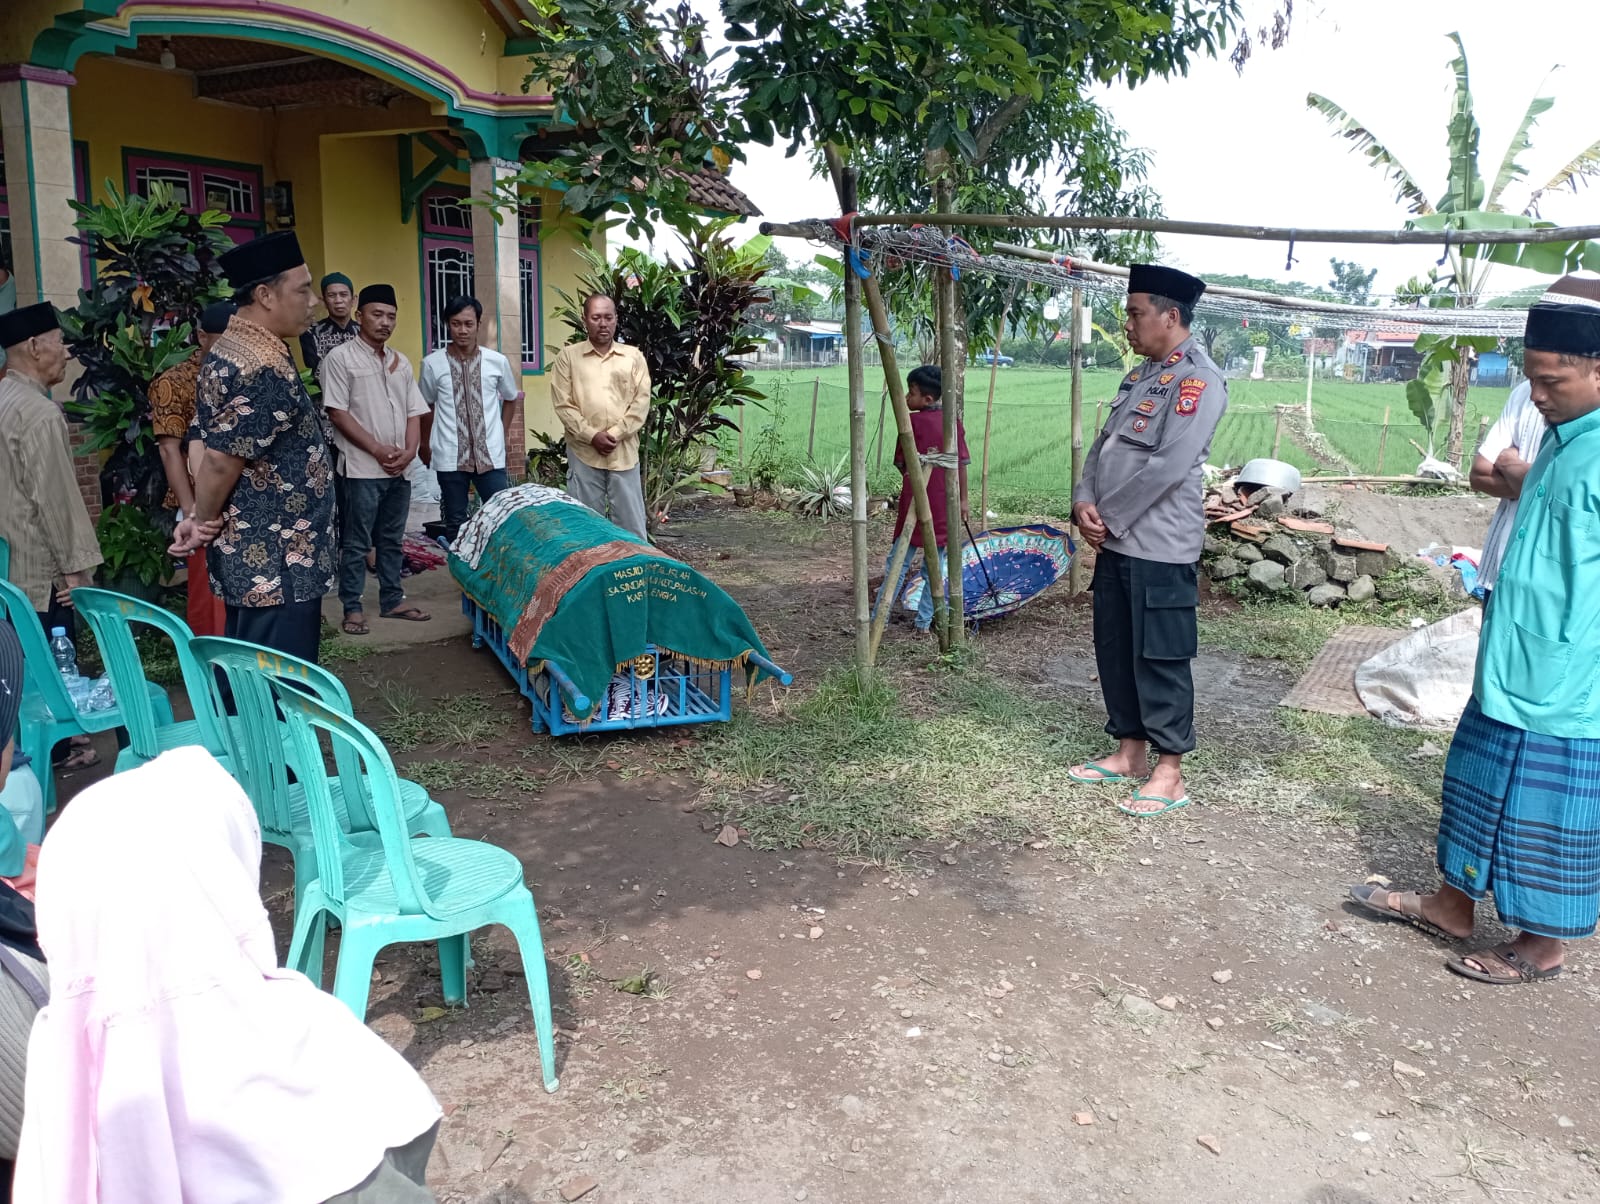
26 323
252 263
1158 281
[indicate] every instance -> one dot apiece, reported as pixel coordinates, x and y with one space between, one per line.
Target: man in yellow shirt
601 392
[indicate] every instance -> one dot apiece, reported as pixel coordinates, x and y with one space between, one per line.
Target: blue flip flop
1101 775
1139 796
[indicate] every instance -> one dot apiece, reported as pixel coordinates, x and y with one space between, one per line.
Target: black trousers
295 627
1146 634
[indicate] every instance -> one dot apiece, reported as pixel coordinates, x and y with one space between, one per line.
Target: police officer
1140 505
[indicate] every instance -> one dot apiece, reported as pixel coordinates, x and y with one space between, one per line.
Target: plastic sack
1426 678
1438 470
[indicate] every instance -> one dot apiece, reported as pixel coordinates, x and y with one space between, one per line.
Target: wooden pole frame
1161 225
855 345
1075 313
920 508
988 412
855 289
948 606
897 564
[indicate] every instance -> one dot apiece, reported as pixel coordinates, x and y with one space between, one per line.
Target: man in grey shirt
1140 505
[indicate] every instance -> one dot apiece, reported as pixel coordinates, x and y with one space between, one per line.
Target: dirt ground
1408 523
1193 1018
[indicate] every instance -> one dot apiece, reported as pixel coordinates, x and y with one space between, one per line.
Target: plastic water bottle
66 658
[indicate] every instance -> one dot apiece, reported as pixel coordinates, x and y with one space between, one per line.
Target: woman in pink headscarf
175 1061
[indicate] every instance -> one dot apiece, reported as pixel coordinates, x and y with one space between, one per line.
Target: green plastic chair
408 890
48 716
262 764
112 617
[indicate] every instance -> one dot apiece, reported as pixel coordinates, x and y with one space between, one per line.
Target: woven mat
1329 685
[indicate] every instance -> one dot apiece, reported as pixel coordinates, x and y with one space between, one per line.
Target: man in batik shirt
472 394
264 490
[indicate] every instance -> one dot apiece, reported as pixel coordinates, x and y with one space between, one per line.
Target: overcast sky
1246 149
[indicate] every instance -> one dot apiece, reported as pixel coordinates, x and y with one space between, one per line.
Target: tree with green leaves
1351 282
968 105
1470 202
641 103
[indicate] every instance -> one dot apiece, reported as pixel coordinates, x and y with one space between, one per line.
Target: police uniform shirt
1143 473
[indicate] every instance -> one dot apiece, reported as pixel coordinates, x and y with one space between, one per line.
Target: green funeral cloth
568 586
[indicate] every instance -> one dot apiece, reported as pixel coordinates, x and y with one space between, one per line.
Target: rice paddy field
1031 436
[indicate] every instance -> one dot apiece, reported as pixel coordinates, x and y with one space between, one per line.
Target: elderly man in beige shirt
601 392
376 410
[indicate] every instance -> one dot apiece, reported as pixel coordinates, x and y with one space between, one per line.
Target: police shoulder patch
1189 394
1173 359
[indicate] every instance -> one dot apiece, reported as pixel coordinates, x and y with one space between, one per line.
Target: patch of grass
464 721
1322 770
1278 1015
332 650
859 768
405 717
1289 632
475 780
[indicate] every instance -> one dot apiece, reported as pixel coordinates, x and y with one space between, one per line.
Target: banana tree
1470 203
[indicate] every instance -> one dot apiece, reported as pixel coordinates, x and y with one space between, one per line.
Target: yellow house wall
346 179
116 106
22 20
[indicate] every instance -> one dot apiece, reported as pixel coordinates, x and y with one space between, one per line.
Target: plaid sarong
1522 819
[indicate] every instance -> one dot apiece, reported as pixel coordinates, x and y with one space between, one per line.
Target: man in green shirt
1521 800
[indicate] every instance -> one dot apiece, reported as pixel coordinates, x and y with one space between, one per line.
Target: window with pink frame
234 188
448 265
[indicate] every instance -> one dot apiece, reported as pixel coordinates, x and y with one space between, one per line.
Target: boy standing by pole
924 391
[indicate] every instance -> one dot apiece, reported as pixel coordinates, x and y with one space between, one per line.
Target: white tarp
1426 678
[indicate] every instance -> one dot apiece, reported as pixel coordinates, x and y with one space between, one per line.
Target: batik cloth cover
569 586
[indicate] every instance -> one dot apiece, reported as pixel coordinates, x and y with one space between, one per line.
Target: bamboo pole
897 562
811 439
1359 479
1075 315
988 414
1383 439
1469 452
902 417
920 509
1311 364
950 367
1421 317
1277 431
1162 225
858 442
883 404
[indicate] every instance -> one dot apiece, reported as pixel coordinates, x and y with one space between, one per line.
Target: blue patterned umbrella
1003 568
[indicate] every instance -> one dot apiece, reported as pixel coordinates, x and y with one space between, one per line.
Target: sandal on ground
81 756
1167 804
1522 970
1093 773
355 623
411 614
1369 897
